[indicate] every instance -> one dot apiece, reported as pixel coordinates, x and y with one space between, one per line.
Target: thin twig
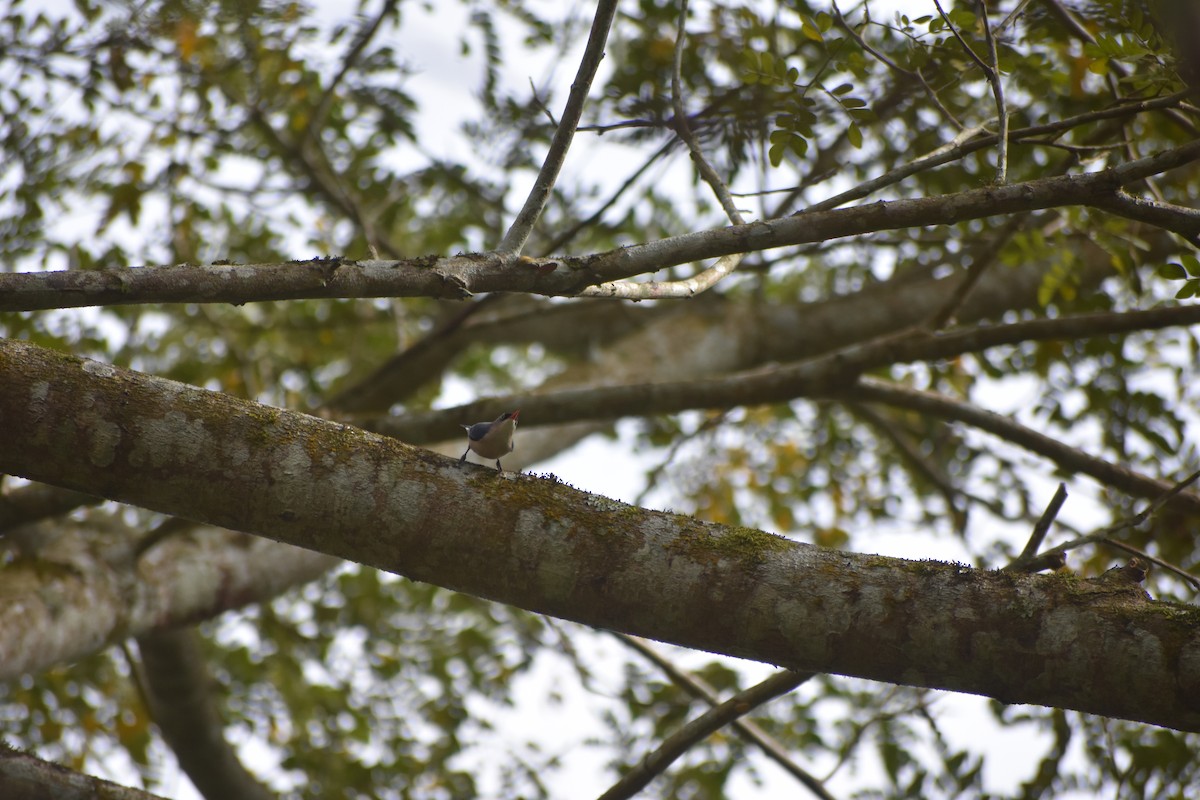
677 443
979 265
655 763
1077 29
914 74
954 30
724 265
747 729
365 34
1040 530
570 233
1012 17
537 101
1127 523
964 144
1183 575
522 226
993 76
661 290
684 130
920 464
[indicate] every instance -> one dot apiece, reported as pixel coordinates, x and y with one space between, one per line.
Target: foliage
173 131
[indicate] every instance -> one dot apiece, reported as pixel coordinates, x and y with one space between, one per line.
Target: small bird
492 439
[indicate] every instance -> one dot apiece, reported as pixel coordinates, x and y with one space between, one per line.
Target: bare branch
1183 575
1178 219
745 728
1022 562
701 728
964 144
814 377
993 75
522 226
983 258
667 290
109 430
461 276
1161 500
1066 457
725 265
24 776
178 692
892 65
38 501
684 130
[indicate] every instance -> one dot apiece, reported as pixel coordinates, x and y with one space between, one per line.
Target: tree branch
365 34
701 728
745 728
325 486
1065 456
176 684
27 777
38 501
58 615
522 226
725 265
459 277
1177 219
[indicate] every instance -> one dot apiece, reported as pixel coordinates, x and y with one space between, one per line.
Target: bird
492 439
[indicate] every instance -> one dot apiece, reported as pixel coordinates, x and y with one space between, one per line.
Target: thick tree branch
39 501
27 777
177 686
824 376
546 547
593 53
461 276
63 607
1177 219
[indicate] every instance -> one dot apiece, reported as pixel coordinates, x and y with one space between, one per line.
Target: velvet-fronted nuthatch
492 439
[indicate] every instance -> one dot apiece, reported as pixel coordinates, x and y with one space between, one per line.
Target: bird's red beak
515 413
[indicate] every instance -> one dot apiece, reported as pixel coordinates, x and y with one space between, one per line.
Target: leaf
1172 272
810 30
854 134
775 154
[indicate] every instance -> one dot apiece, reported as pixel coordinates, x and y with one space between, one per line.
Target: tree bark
1099 646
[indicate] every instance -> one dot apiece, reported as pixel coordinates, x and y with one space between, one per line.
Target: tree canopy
831 283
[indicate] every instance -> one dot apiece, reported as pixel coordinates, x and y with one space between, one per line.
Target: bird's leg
464 455
500 468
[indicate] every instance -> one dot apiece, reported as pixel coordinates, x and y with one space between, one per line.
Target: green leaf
810 30
1172 272
775 154
855 136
